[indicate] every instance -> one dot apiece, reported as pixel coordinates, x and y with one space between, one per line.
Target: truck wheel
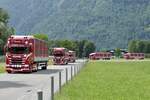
45 67
66 62
9 72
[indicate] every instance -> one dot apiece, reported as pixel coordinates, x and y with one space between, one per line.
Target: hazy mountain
109 23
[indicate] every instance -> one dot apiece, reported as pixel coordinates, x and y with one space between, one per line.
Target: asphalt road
25 86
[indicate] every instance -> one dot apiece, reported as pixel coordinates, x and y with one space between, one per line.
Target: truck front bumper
18 68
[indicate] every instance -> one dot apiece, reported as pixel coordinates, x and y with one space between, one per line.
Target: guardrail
74 70
54 83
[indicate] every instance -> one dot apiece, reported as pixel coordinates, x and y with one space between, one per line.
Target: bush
147 55
2 58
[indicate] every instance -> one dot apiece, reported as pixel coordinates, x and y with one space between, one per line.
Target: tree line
139 46
82 48
5 29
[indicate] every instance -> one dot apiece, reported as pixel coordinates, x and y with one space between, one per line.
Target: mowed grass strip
110 81
2 67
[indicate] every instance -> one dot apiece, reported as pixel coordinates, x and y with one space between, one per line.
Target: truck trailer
60 56
100 55
134 56
26 54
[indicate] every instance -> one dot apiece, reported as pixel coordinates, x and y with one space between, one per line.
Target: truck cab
60 56
20 54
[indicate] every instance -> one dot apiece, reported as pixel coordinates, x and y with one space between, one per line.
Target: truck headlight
25 55
26 42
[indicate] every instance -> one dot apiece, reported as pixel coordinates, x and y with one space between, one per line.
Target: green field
110 80
2 65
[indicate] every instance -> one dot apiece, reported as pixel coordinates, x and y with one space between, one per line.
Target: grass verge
110 80
2 67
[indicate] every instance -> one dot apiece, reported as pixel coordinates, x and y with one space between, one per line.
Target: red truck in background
134 56
100 55
61 56
93 56
72 56
25 54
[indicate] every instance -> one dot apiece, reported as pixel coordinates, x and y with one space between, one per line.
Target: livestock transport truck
25 54
72 56
60 56
100 55
134 56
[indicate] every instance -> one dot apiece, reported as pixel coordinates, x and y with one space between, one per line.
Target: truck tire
45 67
66 62
9 72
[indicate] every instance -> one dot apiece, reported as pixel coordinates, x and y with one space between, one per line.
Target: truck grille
16 61
58 60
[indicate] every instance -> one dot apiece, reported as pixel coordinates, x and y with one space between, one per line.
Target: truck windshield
70 55
18 50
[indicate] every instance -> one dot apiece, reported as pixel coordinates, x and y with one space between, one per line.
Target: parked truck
100 55
93 56
72 56
25 54
134 56
60 56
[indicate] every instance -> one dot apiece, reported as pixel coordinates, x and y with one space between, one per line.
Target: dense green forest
139 46
5 30
108 23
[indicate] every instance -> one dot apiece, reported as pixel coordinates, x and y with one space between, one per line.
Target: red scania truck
60 56
134 56
72 56
100 55
25 54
